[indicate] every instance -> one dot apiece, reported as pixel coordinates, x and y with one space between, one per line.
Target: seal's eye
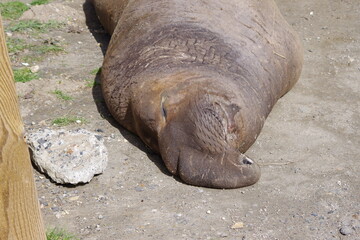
247 160
163 111
162 107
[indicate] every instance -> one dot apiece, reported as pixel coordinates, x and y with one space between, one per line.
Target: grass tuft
91 83
39 2
59 94
24 75
58 234
15 45
34 26
12 10
42 49
95 71
64 121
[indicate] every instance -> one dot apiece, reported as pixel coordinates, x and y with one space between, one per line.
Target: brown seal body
197 79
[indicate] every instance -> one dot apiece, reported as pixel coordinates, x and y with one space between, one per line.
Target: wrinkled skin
197 79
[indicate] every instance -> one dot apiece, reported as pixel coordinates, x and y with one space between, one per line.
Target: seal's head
201 141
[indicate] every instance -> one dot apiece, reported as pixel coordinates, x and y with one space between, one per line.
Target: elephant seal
195 80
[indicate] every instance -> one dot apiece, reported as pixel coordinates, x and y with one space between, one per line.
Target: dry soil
309 148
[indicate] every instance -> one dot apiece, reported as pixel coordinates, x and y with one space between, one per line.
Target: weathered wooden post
20 216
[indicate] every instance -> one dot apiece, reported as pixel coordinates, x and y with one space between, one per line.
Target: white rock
34 69
68 156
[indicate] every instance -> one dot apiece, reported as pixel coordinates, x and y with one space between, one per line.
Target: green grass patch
32 59
58 234
34 26
59 94
12 10
95 71
39 2
47 48
64 121
24 75
15 45
91 83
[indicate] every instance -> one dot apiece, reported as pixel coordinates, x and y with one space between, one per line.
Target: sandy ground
309 149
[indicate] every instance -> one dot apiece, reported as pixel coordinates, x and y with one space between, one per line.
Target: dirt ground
309 148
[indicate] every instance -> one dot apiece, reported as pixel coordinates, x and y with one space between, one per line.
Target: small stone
346 230
100 216
78 121
34 69
311 13
42 123
75 198
222 235
25 64
237 225
55 209
43 203
139 189
97 227
208 211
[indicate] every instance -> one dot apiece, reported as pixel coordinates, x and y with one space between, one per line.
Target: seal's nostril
247 160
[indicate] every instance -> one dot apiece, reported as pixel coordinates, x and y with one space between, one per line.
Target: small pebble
55 209
74 198
222 235
346 230
34 69
237 225
100 216
139 189
208 211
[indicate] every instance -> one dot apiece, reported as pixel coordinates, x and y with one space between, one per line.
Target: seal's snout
217 171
